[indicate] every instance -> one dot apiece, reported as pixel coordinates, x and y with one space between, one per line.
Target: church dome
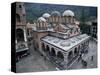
68 13
55 13
46 15
41 19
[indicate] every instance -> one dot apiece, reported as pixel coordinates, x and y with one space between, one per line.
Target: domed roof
68 13
46 15
55 13
41 19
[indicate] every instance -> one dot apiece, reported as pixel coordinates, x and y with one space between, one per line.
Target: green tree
83 19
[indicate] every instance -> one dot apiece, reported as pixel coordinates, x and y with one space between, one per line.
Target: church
57 36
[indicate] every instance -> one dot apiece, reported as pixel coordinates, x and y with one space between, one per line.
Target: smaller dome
68 13
46 15
41 19
55 13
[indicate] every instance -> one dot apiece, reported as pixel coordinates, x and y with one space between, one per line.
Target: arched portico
53 53
76 52
70 55
60 56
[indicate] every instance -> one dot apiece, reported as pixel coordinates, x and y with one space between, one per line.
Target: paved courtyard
35 62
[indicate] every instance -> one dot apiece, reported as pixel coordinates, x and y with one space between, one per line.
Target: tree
83 19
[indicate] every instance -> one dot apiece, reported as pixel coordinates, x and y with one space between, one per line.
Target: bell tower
21 36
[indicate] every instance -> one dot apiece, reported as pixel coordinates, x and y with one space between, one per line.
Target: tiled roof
65 44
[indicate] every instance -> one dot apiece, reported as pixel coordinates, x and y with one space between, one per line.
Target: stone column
65 57
56 52
65 62
25 39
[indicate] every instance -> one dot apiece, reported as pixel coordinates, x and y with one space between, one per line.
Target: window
17 17
20 6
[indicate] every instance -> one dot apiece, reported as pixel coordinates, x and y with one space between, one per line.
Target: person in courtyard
84 63
80 57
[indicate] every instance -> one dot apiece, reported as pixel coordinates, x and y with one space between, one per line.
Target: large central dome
68 13
55 13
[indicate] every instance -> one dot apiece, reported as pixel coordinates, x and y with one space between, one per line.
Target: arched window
20 35
20 6
17 17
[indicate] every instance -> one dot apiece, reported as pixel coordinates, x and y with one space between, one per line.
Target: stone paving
34 63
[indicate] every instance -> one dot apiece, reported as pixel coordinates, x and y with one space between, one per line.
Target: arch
20 6
43 47
60 56
20 34
53 53
70 55
47 49
75 51
17 17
